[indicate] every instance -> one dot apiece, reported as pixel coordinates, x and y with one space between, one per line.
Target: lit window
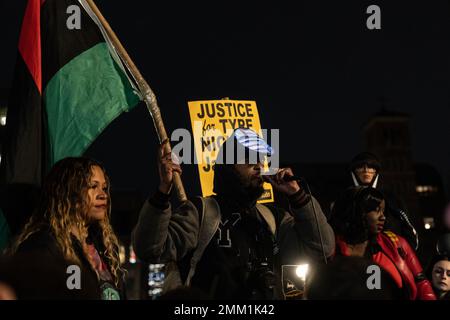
426 189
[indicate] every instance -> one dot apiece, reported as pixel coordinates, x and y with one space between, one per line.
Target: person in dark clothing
72 226
443 244
5 233
365 170
346 278
17 202
443 236
37 275
247 242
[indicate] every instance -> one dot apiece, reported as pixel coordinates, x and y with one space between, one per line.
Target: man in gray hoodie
228 245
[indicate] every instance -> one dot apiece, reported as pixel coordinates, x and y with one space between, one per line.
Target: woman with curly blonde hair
72 223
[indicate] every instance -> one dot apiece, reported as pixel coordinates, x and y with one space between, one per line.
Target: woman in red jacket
358 221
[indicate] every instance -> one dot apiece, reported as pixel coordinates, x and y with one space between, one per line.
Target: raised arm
301 225
163 234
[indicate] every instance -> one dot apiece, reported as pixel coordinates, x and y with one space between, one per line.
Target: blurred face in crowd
365 174
97 194
441 276
376 219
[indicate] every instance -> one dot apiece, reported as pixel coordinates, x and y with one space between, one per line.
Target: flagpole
144 88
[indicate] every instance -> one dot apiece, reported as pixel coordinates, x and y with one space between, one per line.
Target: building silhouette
387 135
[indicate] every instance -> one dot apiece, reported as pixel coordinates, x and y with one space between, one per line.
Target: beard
252 188
228 183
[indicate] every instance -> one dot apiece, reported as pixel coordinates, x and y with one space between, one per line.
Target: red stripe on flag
30 41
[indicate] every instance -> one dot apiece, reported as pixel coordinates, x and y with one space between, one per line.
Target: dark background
316 72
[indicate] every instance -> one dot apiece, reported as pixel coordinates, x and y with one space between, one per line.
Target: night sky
314 69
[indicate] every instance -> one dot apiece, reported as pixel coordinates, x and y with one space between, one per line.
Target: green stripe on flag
82 99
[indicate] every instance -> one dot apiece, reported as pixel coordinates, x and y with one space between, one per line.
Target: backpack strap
267 214
209 224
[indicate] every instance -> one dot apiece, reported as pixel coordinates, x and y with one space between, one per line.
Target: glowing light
426 189
427 226
132 256
301 271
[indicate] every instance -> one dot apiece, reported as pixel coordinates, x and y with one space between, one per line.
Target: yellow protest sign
213 121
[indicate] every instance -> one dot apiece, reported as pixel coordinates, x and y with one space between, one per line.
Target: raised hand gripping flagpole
147 93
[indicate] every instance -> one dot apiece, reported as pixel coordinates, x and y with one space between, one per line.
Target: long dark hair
429 272
434 260
349 213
